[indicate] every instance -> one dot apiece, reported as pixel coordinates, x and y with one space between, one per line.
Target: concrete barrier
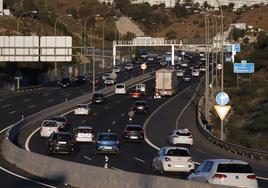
76 174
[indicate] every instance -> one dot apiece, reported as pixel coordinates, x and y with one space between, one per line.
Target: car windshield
234 168
49 124
133 128
119 86
178 152
98 95
183 134
84 130
82 106
107 137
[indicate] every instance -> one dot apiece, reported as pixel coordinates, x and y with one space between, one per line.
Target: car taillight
190 160
117 142
98 142
252 177
219 176
167 159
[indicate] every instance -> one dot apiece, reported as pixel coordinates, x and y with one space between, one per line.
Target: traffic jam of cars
175 157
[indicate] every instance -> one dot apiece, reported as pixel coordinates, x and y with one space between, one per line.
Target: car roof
84 127
220 161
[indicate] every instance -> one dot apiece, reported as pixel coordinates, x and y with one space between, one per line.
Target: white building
108 2
1 7
237 3
168 3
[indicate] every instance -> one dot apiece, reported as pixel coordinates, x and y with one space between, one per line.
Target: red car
134 93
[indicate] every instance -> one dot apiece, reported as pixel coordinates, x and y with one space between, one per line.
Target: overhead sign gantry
146 41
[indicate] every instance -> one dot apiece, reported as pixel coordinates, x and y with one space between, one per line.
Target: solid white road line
27 179
32 106
28 139
262 178
7 105
12 112
50 100
150 117
138 159
88 158
181 112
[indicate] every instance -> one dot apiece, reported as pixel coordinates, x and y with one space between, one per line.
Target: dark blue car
107 143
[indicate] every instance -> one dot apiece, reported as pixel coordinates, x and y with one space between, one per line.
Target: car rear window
49 124
178 152
130 128
84 130
81 106
107 137
120 86
183 134
234 168
98 95
63 137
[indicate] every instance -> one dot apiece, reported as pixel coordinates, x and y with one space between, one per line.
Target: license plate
107 147
133 137
140 107
61 142
179 166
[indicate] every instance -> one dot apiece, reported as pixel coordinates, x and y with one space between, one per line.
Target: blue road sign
228 58
243 67
222 98
237 47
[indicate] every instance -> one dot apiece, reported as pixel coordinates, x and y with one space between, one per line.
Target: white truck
165 82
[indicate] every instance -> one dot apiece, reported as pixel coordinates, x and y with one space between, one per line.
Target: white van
120 89
141 88
48 127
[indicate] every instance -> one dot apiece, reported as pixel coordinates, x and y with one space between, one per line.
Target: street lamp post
55 32
27 12
103 24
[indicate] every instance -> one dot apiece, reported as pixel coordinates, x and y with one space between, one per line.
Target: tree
231 6
171 34
262 41
236 33
205 5
180 10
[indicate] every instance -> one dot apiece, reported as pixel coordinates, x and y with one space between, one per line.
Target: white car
173 159
129 66
82 109
48 127
120 89
116 69
179 73
195 72
105 76
228 172
84 134
109 81
180 136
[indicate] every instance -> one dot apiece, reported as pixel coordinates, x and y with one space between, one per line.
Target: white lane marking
85 93
67 95
46 94
29 138
83 121
26 100
2 100
114 122
7 105
262 178
115 168
122 114
27 179
150 97
106 107
50 100
150 117
88 158
95 113
32 106
181 112
138 159
109 130
12 112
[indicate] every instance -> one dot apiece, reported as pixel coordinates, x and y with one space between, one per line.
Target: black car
81 79
133 133
65 82
99 98
98 81
140 107
61 142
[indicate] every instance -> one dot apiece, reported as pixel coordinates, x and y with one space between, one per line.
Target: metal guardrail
236 149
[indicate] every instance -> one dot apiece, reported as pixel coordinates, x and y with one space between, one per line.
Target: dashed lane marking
67 95
114 122
106 107
109 130
85 93
122 114
95 113
83 121
12 112
138 159
32 106
7 105
88 158
2 100
50 100
26 100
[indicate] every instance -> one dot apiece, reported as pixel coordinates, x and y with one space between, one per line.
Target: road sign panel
244 67
143 66
219 66
222 111
237 47
222 98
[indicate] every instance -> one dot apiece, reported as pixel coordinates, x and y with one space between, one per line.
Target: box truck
165 82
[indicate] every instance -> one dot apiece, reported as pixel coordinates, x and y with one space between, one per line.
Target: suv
180 136
61 142
134 133
107 142
225 172
173 159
